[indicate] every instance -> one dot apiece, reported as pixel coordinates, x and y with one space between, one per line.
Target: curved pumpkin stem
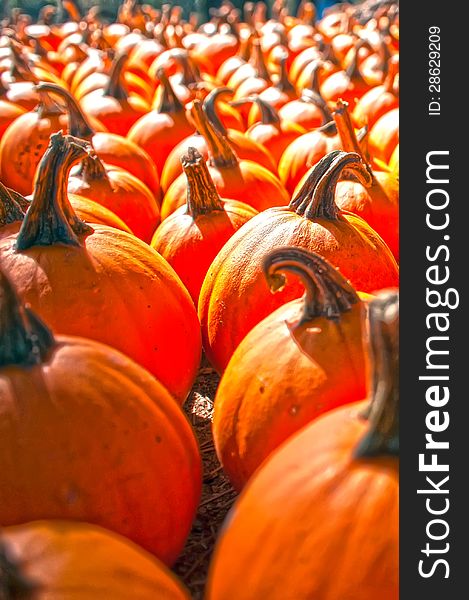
352 71
26 341
50 218
92 168
47 107
10 210
327 292
78 124
312 97
115 86
345 128
210 107
221 153
190 72
269 116
316 197
257 61
168 102
382 437
202 195
284 84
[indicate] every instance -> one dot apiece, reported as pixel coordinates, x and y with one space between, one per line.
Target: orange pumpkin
112 105
99 282
241 180
191 237
384 135
329 495
99 439
111 148
120 192
320 364
161 129
73 560
235 296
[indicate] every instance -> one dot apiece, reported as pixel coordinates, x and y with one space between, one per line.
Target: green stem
327 293
50 218
382 437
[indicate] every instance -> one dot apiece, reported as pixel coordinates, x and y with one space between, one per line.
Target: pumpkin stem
345 128
78 124
13 583
115 87
327 292
210 107
10 210
269 116
257 61
92 168
190 73
50 218
221 153
313 98
284 84
383 434
316 199
47 107
352 71
202 195
168 102
244 50
25 341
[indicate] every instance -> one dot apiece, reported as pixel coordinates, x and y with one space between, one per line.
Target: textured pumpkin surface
91 212
235 296
91 436
313 505
280 378
73 561
116 290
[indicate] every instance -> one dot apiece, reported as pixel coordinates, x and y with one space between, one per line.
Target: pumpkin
235 296
67 560
161 129
99 282
306 151
120 192
317 342
111 148
329 496
348 84
233 63
273 133
379 203
241 180
9 111
243 146
379 100
99 439
384 135
112 105
191 237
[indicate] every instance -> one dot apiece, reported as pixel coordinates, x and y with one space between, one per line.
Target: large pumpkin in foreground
86 434
52 560
98 282
320 519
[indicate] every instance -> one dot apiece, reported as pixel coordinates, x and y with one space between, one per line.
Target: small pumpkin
317 342
99 438
233 178
384 135
345 464
73 560
191 237
235 296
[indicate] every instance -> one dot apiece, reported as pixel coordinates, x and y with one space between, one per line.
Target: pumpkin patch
199 265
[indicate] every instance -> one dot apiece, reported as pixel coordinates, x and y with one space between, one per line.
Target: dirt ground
217 493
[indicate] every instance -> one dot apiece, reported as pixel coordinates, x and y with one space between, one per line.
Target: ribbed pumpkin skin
280 378
91 436
76 561
91 212
190 246
116 290
235 296
290 502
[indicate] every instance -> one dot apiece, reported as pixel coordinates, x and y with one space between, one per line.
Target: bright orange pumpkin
73 560
329 496
99 438
191 237
317 342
